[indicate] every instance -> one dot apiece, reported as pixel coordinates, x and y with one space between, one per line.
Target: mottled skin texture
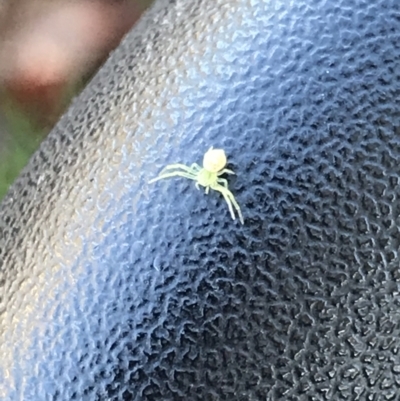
112 289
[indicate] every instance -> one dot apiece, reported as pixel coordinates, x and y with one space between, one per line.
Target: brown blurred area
48 48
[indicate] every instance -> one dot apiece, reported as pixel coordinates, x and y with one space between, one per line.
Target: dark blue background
114 289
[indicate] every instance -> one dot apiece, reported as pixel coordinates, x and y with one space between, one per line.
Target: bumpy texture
112 289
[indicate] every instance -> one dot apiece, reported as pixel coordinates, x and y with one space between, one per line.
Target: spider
214 163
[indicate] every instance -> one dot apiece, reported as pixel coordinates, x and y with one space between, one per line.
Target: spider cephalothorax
208 176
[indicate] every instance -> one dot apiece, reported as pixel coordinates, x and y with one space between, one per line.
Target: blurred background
49 49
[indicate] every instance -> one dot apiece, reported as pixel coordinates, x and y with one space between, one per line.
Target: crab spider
208 176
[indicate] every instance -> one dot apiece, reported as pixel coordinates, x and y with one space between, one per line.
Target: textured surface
112 289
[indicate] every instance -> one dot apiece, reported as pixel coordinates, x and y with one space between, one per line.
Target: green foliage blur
20 138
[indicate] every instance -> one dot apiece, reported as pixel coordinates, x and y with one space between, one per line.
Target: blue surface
114 289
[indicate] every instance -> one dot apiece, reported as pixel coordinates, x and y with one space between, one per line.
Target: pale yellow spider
214 162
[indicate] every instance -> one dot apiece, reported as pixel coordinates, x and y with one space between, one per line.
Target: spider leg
174 174
178 166
227 171
195 167
223 182
236 205
197 186
207 190
230 200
